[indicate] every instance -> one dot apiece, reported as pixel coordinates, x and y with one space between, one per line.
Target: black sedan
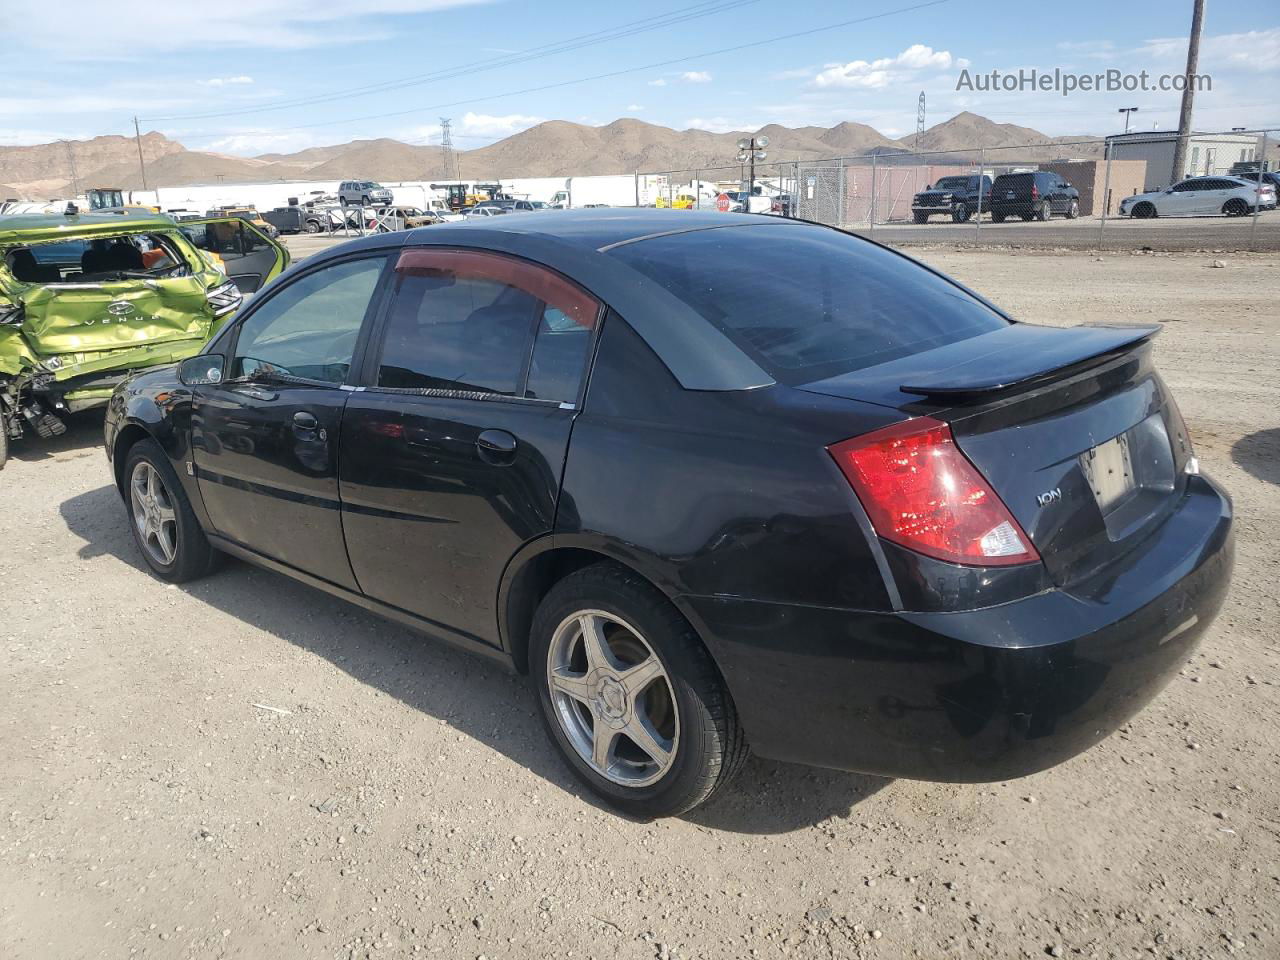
712 480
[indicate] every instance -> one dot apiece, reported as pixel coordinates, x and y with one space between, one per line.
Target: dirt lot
247 768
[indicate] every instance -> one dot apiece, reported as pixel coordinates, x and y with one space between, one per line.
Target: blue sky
228 76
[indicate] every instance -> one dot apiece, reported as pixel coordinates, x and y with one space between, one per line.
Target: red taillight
920 491
1035 194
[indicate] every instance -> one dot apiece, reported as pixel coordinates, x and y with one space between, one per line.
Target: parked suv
957 197
842 510
364 193
1038 195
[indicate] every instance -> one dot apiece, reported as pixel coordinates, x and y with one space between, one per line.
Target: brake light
1035 194
921 492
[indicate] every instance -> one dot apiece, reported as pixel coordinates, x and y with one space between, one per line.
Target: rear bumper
980 695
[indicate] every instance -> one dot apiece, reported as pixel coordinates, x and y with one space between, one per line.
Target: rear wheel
630 696
1235 207
1046 210
160 516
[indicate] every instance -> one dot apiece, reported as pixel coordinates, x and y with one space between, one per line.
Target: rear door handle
496 446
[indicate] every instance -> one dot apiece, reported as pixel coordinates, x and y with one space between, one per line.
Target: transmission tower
71 164
919 123
446 144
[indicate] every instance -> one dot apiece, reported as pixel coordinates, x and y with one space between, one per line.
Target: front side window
309 328
478 322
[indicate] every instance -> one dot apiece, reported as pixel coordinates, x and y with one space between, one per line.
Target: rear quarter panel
718 493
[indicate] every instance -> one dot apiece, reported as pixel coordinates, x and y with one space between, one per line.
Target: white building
1208 154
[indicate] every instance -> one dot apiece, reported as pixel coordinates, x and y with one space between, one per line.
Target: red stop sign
722 203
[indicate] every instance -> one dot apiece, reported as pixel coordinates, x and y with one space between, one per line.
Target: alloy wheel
612 698
154 516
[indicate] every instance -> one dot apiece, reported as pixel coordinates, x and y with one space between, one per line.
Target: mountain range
552 148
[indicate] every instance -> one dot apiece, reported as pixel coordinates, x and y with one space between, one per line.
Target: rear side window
484 323
808 303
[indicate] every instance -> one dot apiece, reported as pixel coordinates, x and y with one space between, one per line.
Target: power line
681 15
610 75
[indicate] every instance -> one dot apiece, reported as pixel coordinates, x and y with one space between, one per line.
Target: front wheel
630 696
961 213
921 217
1073 211
312 226
163 524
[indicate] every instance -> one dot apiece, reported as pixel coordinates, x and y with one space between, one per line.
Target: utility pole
142 165
446 143
1127 111
1188 93
915 145
751 149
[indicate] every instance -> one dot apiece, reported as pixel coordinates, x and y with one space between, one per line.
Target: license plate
1109 469
1009 195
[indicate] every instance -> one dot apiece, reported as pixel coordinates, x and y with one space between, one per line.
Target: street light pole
1127 111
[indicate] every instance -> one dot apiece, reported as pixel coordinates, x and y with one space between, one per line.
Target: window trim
372 310
372 359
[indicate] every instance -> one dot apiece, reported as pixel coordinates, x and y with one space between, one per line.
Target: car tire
997 218
960 213
1144 210
311 226
1045 213
4 439
163 524
921 217
653 676
1073 210
1235 207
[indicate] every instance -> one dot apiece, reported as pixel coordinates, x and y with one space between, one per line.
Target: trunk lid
1073 429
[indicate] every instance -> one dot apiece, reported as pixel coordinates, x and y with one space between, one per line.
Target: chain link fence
1088 184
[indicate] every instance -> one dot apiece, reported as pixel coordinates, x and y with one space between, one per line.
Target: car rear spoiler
1016 355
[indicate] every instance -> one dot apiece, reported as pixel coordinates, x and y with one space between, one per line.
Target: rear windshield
135 256
1013 180
808 303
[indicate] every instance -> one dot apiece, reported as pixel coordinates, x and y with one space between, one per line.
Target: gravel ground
244 767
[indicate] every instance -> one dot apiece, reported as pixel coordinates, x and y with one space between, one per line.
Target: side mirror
201 369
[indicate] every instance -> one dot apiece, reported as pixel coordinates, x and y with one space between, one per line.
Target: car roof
52 226
594 228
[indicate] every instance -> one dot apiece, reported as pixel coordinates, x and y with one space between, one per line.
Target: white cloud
225 81
634 107
486 125
1256 51
879 74
720 124
696 76
660 82
274 24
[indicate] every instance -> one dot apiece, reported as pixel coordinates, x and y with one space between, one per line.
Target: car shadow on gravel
1259 454
475 697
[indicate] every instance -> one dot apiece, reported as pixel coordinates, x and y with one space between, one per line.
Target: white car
1200 196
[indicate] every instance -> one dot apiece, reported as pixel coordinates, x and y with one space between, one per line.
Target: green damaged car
86 300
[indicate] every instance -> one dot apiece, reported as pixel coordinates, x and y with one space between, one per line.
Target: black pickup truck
956 197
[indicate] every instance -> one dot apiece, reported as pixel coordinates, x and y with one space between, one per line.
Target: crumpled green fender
15 356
